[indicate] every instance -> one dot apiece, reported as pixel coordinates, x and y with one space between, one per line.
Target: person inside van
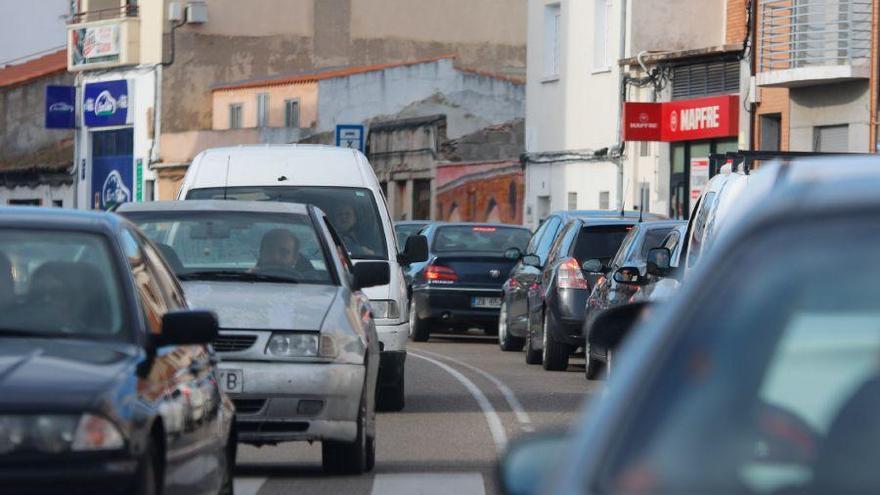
279 251
345 222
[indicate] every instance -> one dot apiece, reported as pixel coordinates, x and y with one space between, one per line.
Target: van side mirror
659 261
415 250
526 465
370 274
611 327
188 328
629 275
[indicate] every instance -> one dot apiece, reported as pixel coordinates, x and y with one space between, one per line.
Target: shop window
291 113
552 40
235 116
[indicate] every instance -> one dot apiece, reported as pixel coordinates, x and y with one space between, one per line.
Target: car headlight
384 309
293 345
53 434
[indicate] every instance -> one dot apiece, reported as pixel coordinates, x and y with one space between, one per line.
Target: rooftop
52 63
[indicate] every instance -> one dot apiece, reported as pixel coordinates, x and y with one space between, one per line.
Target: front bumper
82 474
279 401
567 309
454 304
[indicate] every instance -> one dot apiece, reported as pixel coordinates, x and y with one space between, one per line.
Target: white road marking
515 405
496 428
248 486
429 484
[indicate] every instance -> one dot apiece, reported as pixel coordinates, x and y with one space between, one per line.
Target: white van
341 182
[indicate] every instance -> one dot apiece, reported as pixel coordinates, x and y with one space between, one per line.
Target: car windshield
480 238
780 395
238 245
351 211
404 232
59 283
600 242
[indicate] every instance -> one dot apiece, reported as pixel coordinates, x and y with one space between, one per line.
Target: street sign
60 107
106 103
351 136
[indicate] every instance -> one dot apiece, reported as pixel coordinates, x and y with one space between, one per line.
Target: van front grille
234 343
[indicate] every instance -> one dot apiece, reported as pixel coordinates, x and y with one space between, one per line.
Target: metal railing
104 14
810 33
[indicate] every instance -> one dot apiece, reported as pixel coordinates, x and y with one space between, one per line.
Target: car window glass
671 241
167 282
347 265
599 242
536 238
794 414
696 239
559 248
479 238
403 232
543 248
653 238
625 246
150 295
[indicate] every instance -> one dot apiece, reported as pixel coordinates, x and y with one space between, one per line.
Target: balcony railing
104 14
797 34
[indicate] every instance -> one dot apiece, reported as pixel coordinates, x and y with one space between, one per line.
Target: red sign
685 120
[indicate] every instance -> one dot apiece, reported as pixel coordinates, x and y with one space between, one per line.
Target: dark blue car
460 284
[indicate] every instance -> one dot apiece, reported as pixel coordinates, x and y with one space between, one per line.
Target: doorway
684 184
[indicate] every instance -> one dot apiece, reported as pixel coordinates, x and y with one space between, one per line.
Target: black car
513 325
460 284
107 381
616 286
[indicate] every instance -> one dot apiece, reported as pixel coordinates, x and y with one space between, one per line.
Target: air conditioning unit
175 13
196 12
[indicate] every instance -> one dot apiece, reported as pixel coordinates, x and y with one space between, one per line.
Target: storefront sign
95 45
111 181
684 120
106 103
60 107
699 177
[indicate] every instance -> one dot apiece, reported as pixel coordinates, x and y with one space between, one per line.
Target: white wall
545 102
43 192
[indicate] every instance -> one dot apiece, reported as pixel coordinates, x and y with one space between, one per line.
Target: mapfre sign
683 120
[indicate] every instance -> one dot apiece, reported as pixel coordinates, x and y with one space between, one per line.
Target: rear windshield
476 238
600 242
352 211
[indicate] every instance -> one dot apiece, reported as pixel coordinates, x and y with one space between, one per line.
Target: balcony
812 42
105 38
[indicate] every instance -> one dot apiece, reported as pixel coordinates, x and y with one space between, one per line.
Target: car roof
58 218
588 214
413 222
481 224
214 205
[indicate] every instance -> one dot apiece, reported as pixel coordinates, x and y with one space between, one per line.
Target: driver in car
279 251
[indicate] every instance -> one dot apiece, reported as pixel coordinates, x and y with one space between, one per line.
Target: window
831 139
25 202
552 40
543 248
645 196
235 116
57 203
601 22
645 148
262 109
479 239
599 242
706 79
421 199
572 201
770 132
291 113
604 200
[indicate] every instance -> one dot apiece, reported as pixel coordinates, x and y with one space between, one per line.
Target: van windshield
352 211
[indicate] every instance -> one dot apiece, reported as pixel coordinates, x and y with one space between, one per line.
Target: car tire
593 367
348 457
507 342
554 354
419 328
392 398
148 480
533 356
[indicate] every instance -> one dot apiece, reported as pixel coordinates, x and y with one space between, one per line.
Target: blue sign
60 107
111 181
351 136
105 103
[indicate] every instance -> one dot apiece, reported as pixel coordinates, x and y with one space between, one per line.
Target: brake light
569 276
440 274
484 229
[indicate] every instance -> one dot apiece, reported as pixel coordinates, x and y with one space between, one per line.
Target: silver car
299 348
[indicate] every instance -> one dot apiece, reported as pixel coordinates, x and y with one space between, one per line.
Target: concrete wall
46 193
830 104
469 101
306 93
22 118
672 25
545 108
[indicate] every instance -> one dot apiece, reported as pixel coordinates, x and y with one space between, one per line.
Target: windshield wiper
234 275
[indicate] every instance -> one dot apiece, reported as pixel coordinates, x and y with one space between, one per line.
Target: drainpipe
620 142
875 75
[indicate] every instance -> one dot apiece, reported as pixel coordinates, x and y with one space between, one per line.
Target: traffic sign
351 136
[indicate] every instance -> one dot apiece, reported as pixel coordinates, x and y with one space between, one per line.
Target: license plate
231 380
486 302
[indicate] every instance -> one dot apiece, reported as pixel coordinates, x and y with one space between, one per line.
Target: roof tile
32 69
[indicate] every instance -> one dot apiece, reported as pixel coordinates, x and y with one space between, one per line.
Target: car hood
263 306
57 375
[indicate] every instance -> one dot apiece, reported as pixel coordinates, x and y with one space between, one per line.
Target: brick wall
736 21
774 100
478 196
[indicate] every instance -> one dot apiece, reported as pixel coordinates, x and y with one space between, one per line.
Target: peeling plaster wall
22 118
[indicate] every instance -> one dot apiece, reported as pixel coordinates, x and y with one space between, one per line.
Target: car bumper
567 310
392 337
70 476
282 401
454 304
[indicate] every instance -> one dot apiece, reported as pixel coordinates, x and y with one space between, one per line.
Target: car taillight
569 276
440 274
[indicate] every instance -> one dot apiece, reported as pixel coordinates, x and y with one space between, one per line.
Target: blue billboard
105 103
60 107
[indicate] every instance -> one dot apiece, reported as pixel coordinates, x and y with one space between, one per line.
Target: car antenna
226 182
641 214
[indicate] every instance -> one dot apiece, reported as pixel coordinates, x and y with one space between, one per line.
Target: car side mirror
188 328
610 327
513 253
659 261
415 250
532 260
629 275
370 274
525 466
593 265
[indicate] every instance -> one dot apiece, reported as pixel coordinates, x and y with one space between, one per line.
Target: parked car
556 306
460 283
662 265
342 183
107 381
621 279
296 364
761 376
405 228
525 277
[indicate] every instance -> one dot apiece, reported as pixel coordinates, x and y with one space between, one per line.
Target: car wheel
533 356
554 354
348 457
506 341
418 327
391 398
149 477
592 366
